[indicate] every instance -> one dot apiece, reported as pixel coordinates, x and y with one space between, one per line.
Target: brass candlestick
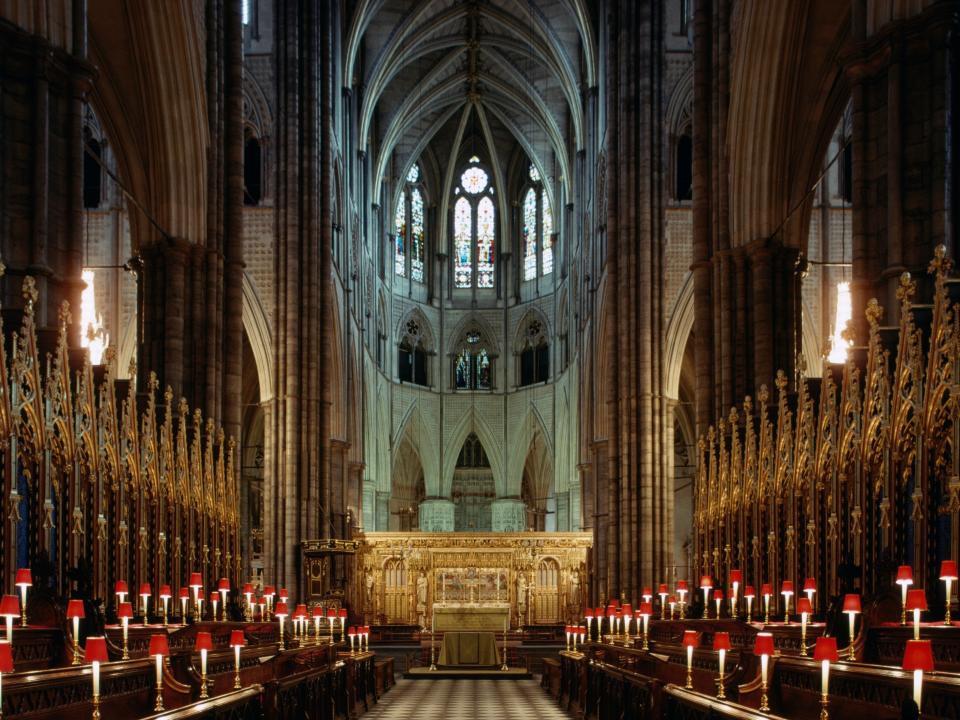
433 665
504 666
803 639
824 701
764 701
203 685
721 695
158 705
96 707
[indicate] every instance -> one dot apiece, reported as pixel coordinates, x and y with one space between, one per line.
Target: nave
466 700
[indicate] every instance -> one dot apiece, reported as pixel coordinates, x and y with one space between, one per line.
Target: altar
494 617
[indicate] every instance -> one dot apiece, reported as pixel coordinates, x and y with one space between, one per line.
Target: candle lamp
203 645
721 643
281 612
569 633
301 623
918 657
75 613
646 610
766 590
262 604
95 652
23 580
763 647
736 580
904 580
718 599
184 599
805 609
682 591
706 584
663 591
237 641
343 621
691 638
283 596
223 587
948 573
332 618
121 590
6 666
159 649
851 606
627 612
351 633
268 593
749 594
317 619
786 589
917 603
825 652
583 634
611 616
366 637
125 615
196 584
588 616
10 608
810 588
619 619
145 593
248 607
165 594
672 602
214 599
647 594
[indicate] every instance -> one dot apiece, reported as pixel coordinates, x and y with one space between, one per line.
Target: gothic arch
531 430
472 421
520 338
678 333
486 332
257 328
422 438
426 331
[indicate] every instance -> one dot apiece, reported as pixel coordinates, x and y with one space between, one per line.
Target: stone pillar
436 515
508 515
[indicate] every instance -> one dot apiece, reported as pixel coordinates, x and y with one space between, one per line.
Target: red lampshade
918 655
826 649
331 612
224 584
619 615
214 597
24 577
916 600
269 590
352 630
10 605
736 576
766 589
588 613
718 594
204 641
283 594
721 641
646 608
663 589
599 613
317 611
75 609
145 589
281 609
749 592
763 645
948 570
787 587
804 606
611 610
647 592
671 599
95 650
628 609
809 584
125 611
682 585
196 580
706 582
237 638
342 613
691 638
6 657
159 645
185 593
851 603
120 586
165 591
247 589
301 611
904 575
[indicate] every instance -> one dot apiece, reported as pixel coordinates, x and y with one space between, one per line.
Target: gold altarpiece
539 576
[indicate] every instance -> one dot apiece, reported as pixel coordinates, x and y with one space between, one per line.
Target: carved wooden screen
396 593
548 595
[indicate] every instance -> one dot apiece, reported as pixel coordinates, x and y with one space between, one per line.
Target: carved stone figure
368 584
422 600
521 595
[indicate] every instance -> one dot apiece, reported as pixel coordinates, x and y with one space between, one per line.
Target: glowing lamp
810 587
806 610
145 593
125 615
248 608
691 638
196 584
281 613
582 633
706 584
351 633
214 599
203 645
283 595
786 589
917 602
366 637
165 594
342 614
619 619
763 647
663 591
851 606
299 620
647 594
904 580
718 599
918 657
646 610
268 593
23 580
237 641
10 608
627 612
948 573
611 615
588 616
6 665
736 580
184 599
159 649
766 590
75 613
223 587
95 652
749 594
825 652
671 601
682 591
721 643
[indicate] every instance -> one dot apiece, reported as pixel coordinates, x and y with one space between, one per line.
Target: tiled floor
466 700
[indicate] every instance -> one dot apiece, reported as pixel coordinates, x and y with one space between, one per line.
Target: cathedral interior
358 354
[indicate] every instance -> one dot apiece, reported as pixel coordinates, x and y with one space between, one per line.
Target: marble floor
466 700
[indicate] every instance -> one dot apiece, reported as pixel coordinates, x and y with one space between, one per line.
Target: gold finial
182 408
132 370
721 427
30 293
219 436
711 434
781 380
3 269
168 395
874 312
764 395
152 382
848 333
734 417
748 405
66 318
906 289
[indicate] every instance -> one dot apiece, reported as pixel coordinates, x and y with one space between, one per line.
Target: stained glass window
416 234
534 173
414 174
547 234
485 235
474 180
473 366
400 228
530 234
462 240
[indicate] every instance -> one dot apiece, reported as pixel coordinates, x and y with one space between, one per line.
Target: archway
407 489
473 489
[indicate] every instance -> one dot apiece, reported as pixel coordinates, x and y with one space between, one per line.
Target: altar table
474 649
494 617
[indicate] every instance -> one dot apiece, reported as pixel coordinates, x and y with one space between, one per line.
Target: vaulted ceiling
439 73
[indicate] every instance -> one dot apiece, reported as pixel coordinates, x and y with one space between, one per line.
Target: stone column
508 515
436 515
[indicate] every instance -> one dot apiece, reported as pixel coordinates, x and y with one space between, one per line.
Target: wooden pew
682 704
237 705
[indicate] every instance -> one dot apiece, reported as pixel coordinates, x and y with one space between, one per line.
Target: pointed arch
420 434
678 332
472 422
257 328
531 430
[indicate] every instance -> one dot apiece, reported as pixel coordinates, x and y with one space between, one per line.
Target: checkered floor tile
466 700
